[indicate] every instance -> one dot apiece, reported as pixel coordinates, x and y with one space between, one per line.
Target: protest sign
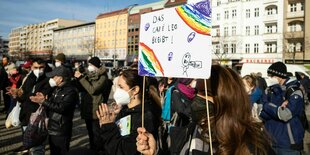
176 42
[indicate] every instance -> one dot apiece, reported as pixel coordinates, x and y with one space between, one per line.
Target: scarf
187 91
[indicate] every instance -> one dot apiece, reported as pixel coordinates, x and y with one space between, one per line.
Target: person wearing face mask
60 106
282 111
60 59
119 129
36 81
93 83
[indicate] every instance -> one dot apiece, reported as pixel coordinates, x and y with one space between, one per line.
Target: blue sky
15 13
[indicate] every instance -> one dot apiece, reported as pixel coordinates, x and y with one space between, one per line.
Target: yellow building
111 36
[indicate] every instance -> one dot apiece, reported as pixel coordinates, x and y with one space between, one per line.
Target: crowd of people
225 114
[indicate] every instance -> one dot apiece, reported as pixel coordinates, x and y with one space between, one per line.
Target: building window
226 14
218 16
293 7
225 48
233 48
269 11
256 30
248 13
271 28
302 7
233 30
217 32
217 48
247 30
234 13
255 48
269 48
292 27
225 31
218 3
247 48
256 12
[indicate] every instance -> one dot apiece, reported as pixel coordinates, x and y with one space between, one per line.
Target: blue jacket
284 124
256 96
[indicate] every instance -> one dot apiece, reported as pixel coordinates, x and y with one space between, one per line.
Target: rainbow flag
148 62
197 18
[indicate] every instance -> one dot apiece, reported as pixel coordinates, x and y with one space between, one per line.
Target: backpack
303 117
36 132
174 132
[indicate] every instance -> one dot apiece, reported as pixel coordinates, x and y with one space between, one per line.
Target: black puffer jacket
60 108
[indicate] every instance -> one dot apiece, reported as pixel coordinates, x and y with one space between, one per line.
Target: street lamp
116 23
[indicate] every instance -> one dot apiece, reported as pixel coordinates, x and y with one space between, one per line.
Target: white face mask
91 68
38 72
272 81
193 84
121 96
52 82
57 64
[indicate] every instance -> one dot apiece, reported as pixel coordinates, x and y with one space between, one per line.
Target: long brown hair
232 125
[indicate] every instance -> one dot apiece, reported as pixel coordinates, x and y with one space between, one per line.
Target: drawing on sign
172 38
190 37
197 16
149 64
147 26
186 61
170 55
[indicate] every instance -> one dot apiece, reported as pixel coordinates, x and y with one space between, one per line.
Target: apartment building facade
247 31
296 31
111 36
4 46
36 40
76 42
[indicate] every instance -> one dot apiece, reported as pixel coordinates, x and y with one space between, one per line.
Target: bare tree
88 46
222 48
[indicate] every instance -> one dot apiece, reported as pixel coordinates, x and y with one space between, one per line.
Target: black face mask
14 75
199 110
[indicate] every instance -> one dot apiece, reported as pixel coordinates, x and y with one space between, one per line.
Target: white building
37 39
247 31
76 42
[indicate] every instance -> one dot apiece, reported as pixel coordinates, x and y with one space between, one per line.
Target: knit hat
59 71
95 61
61 57
278 69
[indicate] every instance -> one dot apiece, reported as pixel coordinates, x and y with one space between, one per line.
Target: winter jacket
284 124
31 86
60 107
116 144
180 103
93 83
256 96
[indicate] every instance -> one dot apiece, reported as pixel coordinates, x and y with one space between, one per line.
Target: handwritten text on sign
176 42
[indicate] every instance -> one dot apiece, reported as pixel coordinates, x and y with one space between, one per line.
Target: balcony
270 37
291 35
270 18
295 14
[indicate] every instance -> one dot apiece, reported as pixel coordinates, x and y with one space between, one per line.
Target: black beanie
278 69
95 61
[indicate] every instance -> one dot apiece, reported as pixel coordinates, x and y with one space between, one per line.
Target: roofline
90 23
